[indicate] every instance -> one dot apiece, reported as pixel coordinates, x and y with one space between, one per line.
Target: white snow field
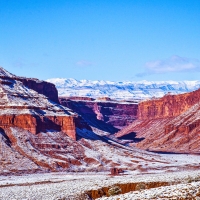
126 90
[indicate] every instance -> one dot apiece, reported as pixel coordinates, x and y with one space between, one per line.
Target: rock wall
42 87
169 124
28 122
108 115
36 124
167 106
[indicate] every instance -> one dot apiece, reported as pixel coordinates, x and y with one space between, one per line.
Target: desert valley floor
84 186
180 181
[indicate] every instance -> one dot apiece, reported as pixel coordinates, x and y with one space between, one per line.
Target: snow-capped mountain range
128 90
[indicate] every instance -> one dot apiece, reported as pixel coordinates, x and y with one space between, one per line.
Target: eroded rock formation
168 106
30 107
26 108
38 134
168 124
105 114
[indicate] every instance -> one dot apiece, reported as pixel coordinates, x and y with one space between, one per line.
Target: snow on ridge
122 89
4 72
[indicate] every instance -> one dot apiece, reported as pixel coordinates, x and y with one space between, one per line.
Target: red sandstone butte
168 124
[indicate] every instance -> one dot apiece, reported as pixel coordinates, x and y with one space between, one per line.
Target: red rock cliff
167 106
107 115
23 106
168 124
42 87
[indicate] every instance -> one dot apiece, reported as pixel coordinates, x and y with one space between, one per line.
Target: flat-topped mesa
33 105
74 98
167 106
104 99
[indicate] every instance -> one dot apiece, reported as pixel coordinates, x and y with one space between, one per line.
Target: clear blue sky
101 40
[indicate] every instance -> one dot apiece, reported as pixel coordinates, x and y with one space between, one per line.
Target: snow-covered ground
122 90
52 186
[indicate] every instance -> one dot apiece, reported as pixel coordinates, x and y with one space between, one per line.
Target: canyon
167 124
38 134
73 147
41 132
103 113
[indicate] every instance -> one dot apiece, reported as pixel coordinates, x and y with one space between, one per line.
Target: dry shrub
115 190
141 186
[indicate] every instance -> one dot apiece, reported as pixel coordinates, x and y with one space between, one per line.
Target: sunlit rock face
22 106
168 106
168 124
29 108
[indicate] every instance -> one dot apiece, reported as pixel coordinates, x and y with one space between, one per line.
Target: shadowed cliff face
42 87
168 124
106 115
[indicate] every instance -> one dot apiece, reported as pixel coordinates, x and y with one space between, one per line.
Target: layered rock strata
29 108
38 134
168 124
105 114
168 106
26 108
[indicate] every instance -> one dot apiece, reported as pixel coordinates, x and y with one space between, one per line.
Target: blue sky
101 40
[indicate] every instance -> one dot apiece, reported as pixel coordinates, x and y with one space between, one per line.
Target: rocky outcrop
36 124
106 115
31 104
28 107
168 124
42 87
